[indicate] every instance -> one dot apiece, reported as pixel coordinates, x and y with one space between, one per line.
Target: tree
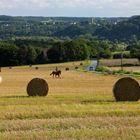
135 51
40 59
8 54
31 55
104 49
27 55
53 55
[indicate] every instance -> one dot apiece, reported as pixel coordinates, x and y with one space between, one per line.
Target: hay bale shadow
14 96
96 101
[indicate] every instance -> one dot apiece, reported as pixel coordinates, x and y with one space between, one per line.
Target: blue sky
80 8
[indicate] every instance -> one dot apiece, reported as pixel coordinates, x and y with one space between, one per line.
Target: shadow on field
14 97
96 101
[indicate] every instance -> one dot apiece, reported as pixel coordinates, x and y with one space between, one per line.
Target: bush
102 69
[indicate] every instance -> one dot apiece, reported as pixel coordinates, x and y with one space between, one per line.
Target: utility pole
122 48
122 60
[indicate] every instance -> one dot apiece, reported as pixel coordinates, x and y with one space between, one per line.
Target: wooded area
36 40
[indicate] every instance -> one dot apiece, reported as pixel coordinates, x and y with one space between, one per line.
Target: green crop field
80 105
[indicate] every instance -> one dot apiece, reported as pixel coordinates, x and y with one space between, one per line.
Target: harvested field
80 105
117 62
134 68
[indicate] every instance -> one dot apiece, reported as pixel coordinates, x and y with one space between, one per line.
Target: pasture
80 105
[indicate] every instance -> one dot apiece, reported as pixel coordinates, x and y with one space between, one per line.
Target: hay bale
81 64
126 89
37 87
76 67
67 69
36 68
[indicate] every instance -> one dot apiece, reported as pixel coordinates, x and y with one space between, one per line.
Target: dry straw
126 89
37 87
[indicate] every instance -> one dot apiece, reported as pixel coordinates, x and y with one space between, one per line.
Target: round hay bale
36 68
37 87
126 89
76 67
67 69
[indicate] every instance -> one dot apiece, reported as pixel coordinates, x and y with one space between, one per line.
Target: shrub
102 69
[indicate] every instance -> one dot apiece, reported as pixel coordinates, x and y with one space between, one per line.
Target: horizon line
69 16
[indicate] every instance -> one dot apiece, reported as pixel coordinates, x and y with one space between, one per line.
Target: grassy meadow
80 106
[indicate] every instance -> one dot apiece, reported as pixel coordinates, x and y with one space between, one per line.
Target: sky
70 8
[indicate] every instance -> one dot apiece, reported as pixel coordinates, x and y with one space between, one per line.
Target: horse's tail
51 73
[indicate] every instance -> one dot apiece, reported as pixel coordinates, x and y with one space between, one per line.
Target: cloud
123 6
68 3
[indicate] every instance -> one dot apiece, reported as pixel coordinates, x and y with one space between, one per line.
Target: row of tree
12 55
25 52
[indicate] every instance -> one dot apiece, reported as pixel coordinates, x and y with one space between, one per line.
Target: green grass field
80 105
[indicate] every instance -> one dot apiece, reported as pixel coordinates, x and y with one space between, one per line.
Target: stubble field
80 105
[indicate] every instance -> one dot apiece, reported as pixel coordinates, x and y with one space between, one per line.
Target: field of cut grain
80 105
133 69
117 62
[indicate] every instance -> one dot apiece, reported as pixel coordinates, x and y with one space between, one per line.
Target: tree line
25 52
28 51
12 55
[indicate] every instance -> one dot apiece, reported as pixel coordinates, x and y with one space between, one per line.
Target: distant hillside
123 30
117 28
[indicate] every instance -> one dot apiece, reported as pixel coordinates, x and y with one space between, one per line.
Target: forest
114 29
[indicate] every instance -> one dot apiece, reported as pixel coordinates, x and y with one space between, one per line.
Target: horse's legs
59 76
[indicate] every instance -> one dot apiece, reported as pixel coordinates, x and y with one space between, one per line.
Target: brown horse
56 73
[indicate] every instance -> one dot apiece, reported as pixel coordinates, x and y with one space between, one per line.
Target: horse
56 73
